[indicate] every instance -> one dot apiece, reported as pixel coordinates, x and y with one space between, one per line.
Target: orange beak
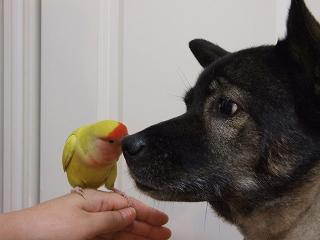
119 132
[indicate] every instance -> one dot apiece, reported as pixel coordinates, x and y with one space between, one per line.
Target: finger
129 236
99 201
149 231
120 236
111 221
148 214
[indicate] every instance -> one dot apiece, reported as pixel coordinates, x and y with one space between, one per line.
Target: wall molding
110 69
21 103
110 59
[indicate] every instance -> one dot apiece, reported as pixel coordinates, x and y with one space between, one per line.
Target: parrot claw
79 191
130 204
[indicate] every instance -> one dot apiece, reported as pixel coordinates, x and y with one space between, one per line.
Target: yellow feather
79 151
68 151
81 175
112 177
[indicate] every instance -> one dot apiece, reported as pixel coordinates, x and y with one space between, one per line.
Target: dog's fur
249 142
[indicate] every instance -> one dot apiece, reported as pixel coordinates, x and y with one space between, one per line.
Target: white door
130 60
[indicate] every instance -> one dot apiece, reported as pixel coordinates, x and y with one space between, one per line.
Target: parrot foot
130 204
79 191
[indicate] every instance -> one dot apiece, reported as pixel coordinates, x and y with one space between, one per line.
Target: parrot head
108 135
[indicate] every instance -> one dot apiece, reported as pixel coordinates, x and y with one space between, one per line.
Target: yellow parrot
90 155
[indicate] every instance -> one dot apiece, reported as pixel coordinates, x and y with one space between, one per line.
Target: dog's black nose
133 145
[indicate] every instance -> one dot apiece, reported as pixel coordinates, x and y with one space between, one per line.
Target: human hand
98 216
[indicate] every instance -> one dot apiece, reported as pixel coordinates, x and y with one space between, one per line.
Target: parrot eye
109 140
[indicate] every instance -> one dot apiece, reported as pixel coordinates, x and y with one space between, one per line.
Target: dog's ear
302 45
205 51
303 42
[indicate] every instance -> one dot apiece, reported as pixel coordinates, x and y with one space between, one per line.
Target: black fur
267 149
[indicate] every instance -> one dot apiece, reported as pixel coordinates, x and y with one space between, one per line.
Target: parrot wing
112 177
68 151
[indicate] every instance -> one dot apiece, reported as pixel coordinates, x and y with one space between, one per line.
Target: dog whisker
205 216
184 78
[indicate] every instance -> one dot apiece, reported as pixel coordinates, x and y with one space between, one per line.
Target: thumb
112 221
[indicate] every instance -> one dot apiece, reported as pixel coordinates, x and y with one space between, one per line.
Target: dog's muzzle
133 146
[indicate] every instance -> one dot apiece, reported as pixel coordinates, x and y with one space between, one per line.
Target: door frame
21 103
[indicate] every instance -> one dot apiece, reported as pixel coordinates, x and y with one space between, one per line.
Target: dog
249 141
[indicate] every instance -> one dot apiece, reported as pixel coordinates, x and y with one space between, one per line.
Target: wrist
15 225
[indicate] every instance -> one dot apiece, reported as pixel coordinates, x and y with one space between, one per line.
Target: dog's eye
228 107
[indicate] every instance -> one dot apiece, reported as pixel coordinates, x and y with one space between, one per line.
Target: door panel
69 82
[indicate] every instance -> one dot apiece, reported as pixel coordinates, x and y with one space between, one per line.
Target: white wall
129 60
314 6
